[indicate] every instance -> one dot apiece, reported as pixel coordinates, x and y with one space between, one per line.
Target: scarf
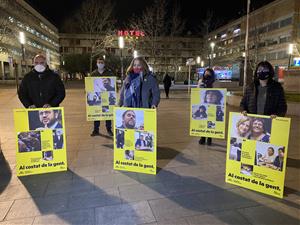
132 92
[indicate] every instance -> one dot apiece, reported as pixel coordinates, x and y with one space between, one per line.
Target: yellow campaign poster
207 114
100 97
135 140
257 148
40 140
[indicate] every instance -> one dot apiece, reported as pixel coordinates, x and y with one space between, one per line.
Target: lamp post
291 46
121 46
212 45
22 40
135 53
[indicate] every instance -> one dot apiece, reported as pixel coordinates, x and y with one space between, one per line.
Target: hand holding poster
41 142
208 108
257 152
135 140
100 97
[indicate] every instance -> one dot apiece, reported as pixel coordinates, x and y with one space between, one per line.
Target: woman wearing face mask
140 88
264 96
206 82
41 87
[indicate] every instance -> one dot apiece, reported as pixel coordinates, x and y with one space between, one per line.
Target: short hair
271 149
124 113
202 107
100 58
39 56
281 149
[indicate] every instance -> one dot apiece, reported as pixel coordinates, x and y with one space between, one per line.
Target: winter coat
41 88
275 99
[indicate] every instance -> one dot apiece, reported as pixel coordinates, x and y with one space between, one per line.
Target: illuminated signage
131 33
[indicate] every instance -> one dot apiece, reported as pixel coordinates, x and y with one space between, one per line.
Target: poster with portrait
135 140
40 140
257 148
207 114
100 97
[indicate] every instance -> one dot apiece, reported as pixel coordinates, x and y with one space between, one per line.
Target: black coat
41 88
275 99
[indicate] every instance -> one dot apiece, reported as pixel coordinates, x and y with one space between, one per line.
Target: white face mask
39 68
100 66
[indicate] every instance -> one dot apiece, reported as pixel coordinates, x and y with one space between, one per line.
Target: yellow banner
257 148
207 114
135 140
100 97
40 140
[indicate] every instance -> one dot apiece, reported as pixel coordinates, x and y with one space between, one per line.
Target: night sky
192 10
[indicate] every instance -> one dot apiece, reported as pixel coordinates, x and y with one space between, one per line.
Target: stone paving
188 189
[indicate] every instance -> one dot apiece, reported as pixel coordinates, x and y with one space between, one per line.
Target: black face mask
263 75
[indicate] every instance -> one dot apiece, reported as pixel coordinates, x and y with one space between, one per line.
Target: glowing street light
290 51
135 54
121 46
198 60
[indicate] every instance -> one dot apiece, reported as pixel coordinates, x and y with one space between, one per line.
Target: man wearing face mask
102 71
264 96
41 87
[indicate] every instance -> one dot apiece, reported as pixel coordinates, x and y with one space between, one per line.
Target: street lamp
22 40
202 63
121 46
291 46
198 59
212 45
135 53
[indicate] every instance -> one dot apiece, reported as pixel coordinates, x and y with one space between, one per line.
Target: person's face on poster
129 119
244 127
280 153
47 117
270 152
257 127
106 83
211 98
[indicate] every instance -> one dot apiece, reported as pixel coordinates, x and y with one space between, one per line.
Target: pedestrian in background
101 71
167 84
41 87
140 88
206 81
264 96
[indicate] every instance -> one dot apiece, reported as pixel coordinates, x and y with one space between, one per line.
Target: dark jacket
275 99
167 81
106 73
41 88
148 95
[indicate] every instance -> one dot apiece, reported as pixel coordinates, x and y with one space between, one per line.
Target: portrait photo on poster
199 112
120 138
235 148
129 154
144 141
130 119
29 141
104 84
112 99
220 113
105 109
47 155
58 138
45 119
93 98
246 169
270 156
215 97
252 128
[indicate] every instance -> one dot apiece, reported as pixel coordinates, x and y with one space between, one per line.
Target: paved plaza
189 187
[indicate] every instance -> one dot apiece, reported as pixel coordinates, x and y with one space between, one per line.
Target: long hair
267 65
142 61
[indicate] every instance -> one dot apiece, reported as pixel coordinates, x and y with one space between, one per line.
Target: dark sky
192 10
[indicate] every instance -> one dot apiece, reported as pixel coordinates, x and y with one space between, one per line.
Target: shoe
95 133
209 141
202 141
110 133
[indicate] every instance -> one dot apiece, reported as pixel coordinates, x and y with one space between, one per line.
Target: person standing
41 87
140 88
206 82
167 84
102 71
264 96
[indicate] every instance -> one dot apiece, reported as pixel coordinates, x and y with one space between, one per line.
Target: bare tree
96 19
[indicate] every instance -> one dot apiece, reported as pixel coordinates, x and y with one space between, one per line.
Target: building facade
40 37
273 30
